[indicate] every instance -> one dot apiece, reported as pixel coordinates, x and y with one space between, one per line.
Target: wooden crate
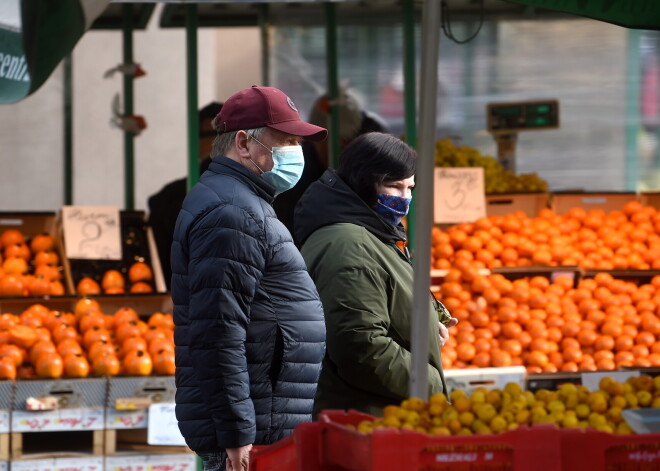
529 203
561 203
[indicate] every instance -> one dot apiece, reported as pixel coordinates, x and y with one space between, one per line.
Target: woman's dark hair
373 158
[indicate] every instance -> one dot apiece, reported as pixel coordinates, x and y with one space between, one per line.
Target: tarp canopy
637 14
34 37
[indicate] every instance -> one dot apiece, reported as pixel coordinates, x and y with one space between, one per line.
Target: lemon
466 418
644 398
514 389
498 424
582 411
569 421
442 431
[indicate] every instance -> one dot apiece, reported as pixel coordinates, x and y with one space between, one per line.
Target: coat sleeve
355 300
226 266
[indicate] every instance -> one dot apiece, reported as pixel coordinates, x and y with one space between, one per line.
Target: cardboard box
530 203
561 203
650 198
137 244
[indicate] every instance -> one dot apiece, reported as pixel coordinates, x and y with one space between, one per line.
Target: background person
353 121
249 329
348 223
164 206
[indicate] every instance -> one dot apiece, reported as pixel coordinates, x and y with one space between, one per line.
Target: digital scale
506 120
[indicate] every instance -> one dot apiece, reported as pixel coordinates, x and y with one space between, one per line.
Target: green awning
637 14
34 37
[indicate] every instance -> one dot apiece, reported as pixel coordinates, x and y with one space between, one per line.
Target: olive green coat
366 290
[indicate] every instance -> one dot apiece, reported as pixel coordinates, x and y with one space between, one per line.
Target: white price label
92 232
119 419
163 428
459 195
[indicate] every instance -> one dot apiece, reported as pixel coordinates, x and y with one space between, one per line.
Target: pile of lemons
485 411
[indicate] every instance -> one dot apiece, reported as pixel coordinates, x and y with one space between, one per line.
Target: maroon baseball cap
257 107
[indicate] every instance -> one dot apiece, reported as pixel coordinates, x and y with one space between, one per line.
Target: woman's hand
444 330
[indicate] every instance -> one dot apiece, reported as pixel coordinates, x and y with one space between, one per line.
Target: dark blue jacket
250 334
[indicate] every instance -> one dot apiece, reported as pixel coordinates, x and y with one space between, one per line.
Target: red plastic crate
590 450
298 452
528 448
280 456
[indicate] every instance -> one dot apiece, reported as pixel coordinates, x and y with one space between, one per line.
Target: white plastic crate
489 378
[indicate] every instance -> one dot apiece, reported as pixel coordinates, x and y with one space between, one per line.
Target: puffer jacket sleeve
354 292
226 265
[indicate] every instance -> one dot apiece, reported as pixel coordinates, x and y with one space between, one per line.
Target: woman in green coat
348 223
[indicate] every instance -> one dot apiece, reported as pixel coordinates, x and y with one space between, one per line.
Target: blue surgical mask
392 208
289 163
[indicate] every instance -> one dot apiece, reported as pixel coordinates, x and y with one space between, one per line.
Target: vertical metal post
129 149
264 29
68 131
192 95
409 103
632 110
424 212
333 82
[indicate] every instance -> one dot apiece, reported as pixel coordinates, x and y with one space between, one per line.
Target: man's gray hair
225 141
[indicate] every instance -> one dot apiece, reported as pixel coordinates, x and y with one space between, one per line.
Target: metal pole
333 82
129 149
424 212
68 131
265 43
409 98
632 113
192 95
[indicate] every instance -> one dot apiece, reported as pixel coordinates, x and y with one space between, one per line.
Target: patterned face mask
392 208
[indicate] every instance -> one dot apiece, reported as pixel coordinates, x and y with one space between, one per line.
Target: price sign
163 428
459 195
92 232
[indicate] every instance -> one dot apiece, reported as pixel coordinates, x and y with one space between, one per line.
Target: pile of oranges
485 412
29 268
594 239
602 324
52 344
139 275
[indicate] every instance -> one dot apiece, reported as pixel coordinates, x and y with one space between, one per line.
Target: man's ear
240 144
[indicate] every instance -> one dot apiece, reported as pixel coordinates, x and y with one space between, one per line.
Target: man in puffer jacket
250 334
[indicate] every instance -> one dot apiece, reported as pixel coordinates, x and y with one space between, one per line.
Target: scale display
522 116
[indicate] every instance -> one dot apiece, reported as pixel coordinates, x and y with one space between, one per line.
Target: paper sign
92 232
459 195
163 428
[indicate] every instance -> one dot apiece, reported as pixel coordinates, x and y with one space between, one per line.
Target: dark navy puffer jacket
249 328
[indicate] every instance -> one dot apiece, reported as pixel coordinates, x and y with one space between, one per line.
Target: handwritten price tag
163 428
459 195
92 232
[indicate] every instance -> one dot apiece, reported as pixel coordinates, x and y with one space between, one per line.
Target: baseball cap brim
310 132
